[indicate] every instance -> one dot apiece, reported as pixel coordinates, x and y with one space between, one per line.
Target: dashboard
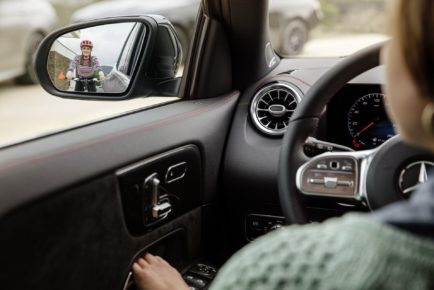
356 117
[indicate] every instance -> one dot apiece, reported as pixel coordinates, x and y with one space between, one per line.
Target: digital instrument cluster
356 117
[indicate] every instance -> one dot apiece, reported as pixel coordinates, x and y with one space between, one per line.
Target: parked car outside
290 23
290 20
23 25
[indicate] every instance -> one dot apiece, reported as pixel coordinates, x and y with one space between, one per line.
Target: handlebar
86 79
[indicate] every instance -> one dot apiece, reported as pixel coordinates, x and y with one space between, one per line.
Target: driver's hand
69 75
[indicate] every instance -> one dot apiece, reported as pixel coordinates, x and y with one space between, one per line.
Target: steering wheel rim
305 120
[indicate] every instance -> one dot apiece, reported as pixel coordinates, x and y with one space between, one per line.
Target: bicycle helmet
87 43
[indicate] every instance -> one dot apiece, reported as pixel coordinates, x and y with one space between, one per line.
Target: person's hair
412 28
90 60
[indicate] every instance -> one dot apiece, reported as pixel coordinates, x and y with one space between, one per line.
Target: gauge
368 123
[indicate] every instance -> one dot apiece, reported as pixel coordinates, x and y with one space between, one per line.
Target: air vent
273 106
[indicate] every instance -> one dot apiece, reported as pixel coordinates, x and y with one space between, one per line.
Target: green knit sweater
353 252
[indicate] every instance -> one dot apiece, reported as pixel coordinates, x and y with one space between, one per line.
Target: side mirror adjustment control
160 211
157 205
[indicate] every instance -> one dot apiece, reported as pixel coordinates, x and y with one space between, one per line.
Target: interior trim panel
33 170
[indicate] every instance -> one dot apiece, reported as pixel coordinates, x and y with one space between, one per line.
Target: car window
26 110
325 28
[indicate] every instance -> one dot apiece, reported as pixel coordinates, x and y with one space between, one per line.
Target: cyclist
86 67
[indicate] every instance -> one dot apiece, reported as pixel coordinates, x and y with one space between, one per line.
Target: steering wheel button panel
316 181
330 174
335 165
330 182
347 168
322 166
348 183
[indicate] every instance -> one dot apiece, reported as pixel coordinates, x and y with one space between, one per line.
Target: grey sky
107 41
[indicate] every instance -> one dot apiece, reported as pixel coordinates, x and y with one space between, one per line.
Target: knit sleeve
73 64
349 253
96 65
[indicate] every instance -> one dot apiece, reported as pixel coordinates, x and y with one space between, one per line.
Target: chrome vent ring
273 106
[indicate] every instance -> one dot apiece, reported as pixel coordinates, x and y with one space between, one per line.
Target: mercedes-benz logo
413 176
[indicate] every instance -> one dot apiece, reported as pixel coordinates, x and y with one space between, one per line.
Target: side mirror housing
111 59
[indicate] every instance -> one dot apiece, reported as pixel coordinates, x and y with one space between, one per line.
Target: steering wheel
372 178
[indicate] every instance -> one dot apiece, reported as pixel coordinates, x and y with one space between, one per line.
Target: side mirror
111 59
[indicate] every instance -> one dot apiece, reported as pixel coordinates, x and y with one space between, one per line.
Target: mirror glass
99 59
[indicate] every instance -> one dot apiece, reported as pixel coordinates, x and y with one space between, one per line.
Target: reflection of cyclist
86 67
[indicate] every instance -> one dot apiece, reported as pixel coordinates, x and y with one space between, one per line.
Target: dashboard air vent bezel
265 95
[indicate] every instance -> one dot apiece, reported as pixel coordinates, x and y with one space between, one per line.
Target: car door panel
65 159
78 240
61 204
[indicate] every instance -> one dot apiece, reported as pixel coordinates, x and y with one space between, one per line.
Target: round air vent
273 106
